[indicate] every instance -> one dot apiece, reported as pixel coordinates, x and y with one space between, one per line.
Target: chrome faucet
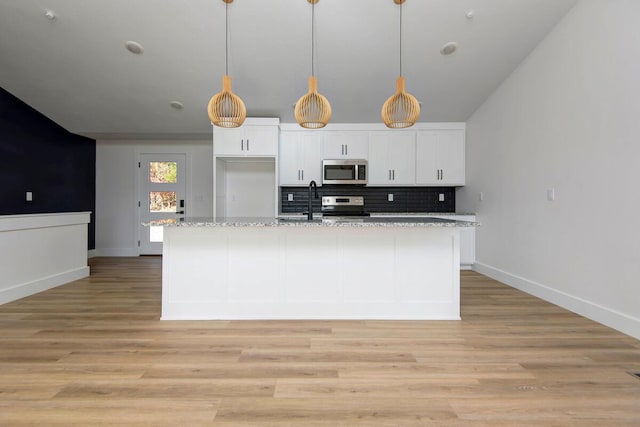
313 185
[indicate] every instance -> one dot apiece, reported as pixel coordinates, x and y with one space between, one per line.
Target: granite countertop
301 221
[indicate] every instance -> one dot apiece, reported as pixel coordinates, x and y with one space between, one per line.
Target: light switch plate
390 197
29 196
441 197
289 197
551 194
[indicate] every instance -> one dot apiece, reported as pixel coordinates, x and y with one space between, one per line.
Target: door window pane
156 233
163 172
162 201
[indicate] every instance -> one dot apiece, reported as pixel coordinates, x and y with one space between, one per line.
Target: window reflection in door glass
163 172
162 201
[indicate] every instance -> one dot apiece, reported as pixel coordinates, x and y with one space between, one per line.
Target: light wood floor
93 352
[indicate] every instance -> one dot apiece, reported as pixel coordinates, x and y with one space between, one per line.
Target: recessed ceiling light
469 14
50 15
449 48
177 105
134 47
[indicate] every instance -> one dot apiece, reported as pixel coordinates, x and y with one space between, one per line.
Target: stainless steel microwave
340 171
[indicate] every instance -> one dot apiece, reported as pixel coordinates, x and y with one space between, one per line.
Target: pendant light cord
226 39
400 50
313 15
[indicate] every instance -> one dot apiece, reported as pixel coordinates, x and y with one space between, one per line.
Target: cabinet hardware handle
342 149
389 174
242 145
303 174
346 149
298 174
247 144
393 173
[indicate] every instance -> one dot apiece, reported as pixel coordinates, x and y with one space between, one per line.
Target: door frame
138 152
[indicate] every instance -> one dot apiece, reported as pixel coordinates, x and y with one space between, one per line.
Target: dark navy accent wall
40 156
405 199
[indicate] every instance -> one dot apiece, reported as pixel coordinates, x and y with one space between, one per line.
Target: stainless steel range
352 206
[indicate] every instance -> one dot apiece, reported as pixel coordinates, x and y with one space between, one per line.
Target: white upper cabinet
392 158
440 158
257 137
300 158
346 145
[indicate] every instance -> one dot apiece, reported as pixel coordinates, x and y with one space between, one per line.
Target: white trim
116 252
91 253
375 127
31 221
622 322
29 288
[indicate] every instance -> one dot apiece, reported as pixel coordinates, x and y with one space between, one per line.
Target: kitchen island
291 268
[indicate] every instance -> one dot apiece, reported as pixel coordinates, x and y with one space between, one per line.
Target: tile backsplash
376 199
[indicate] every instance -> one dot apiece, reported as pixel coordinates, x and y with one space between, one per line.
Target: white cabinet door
450 157
392 158
246 140
261 140
228 141
346 145
440 158
300 158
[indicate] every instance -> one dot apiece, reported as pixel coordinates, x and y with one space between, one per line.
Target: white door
162 196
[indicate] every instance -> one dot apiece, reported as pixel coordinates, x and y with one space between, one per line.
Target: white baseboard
622 322
116 252
91 253
29 288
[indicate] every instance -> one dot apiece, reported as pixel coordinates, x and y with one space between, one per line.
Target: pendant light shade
312 110
402 109
225 108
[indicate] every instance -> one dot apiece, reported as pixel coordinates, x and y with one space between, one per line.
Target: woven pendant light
225 108
402 109
312 110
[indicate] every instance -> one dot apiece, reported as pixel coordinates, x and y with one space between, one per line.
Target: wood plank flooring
93 352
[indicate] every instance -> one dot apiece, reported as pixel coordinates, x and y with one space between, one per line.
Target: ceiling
75 68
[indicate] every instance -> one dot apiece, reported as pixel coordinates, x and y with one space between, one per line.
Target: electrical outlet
441 197
29 196
289 197
390 197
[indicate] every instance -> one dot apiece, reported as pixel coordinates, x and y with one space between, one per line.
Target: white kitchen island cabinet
405 268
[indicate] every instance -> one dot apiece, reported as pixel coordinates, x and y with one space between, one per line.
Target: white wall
568 118
116 176
248 187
